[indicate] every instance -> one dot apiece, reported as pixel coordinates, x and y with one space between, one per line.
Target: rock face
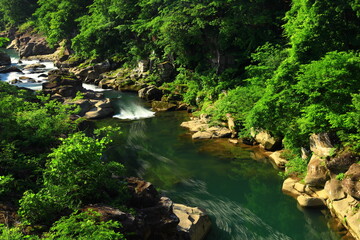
317 174
194 223
91 73
267 141
351 183
63 83
321 144
4 59
31 45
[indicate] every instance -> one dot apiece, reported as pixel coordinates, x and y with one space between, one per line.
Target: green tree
16 12
57 18
76 174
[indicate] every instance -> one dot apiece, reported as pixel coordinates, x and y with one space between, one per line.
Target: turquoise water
239 188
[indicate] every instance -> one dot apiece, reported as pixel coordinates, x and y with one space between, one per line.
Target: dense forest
289 67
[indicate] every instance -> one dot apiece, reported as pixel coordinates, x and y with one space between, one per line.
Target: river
238 187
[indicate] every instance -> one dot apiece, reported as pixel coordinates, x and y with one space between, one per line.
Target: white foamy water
32 80
133 111
94 87
126 105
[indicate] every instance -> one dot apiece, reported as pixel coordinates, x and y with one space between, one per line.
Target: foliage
82 226
340 176
3 40
16 12
57 18
15 233
75 174
296 167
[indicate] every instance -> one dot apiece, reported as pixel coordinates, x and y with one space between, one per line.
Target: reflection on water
242 195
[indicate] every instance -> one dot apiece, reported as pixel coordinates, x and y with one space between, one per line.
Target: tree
16 12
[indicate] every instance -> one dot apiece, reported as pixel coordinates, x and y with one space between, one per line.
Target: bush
75 174
84 226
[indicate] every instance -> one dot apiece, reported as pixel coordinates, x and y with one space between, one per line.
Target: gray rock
194 223
321 144
202 135
307 201
267 141
342 162
351 183
317 174
334 190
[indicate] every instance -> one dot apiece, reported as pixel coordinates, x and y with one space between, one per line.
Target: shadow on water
238 187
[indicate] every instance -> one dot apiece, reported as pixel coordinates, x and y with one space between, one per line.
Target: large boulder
278 159
32 45
101 109
342 162
322 144
267 141
4 59
63 83
317 174
150 93
334 190
351 183
143 194
194 223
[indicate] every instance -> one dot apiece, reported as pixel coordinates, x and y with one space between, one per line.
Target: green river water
238 187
